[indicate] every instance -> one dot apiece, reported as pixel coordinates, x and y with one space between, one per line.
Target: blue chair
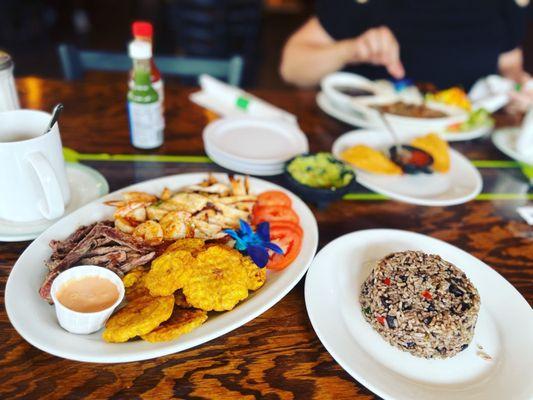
75 62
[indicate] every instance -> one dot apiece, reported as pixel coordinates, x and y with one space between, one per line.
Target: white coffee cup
33 181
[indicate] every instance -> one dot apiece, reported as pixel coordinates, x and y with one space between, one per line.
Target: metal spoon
55 116
391 131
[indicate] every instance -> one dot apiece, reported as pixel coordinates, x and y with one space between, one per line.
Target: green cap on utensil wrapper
242 102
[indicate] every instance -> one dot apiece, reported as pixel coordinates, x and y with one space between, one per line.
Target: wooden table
277 355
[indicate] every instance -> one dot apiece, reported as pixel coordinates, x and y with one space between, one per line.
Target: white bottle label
146 124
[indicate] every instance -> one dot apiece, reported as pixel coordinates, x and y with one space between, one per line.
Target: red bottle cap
142 29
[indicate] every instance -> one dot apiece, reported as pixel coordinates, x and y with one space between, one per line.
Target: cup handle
54 205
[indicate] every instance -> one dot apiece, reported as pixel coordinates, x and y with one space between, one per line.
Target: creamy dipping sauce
88 294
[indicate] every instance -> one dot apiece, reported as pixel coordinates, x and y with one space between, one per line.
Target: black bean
465 306
431 307
464 346
384 302
455 290
441 350
410 345
391 321
406 307
428 320
403 278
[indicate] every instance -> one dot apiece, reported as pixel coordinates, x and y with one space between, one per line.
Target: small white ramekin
78 322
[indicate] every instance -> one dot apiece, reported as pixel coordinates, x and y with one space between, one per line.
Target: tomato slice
288 236
289 225
273 198
274 214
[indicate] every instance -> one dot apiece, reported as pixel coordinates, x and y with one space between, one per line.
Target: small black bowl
321 197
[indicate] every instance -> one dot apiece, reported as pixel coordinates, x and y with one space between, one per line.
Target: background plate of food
470 129
152 234
418 117
433 175
412 317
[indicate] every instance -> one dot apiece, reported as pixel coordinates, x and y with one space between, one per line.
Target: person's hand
521 100
376 46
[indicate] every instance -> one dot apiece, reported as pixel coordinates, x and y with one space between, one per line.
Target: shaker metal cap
5 60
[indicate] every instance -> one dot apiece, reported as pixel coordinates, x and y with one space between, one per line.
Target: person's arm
311 53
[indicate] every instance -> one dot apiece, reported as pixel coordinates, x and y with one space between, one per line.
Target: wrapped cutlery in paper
227 100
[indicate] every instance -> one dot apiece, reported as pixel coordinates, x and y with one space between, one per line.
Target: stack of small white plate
254 146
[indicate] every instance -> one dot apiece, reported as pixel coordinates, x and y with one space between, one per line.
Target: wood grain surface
277 355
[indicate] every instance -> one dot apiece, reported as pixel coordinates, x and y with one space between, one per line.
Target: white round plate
352 117
243 168
505 140
504 328
460 184
35 320
256 140
86 184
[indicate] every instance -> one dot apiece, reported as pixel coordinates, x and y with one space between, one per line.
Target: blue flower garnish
255 244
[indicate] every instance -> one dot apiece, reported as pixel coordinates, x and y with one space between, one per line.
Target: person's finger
387 46
392 60
396 69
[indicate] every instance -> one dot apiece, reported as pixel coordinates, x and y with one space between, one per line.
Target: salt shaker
8 93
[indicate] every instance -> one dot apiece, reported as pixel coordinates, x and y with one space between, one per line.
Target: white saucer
355 118
86 185
504 327
460 184
505 140
254 146
243 168
255 141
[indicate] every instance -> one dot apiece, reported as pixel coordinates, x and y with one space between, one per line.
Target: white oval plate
411 124
255 140
504 328
86 184
505 140
459 185
352 117
35 320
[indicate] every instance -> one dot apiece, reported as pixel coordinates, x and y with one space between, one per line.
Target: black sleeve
514 22
342 19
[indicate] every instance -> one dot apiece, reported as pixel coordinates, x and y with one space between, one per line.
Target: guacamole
320 170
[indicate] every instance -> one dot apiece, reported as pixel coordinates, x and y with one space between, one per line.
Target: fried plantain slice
256 275
180 299
219 280
371 160
181 321
169 272
189 244
132 277
138 317
438 148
